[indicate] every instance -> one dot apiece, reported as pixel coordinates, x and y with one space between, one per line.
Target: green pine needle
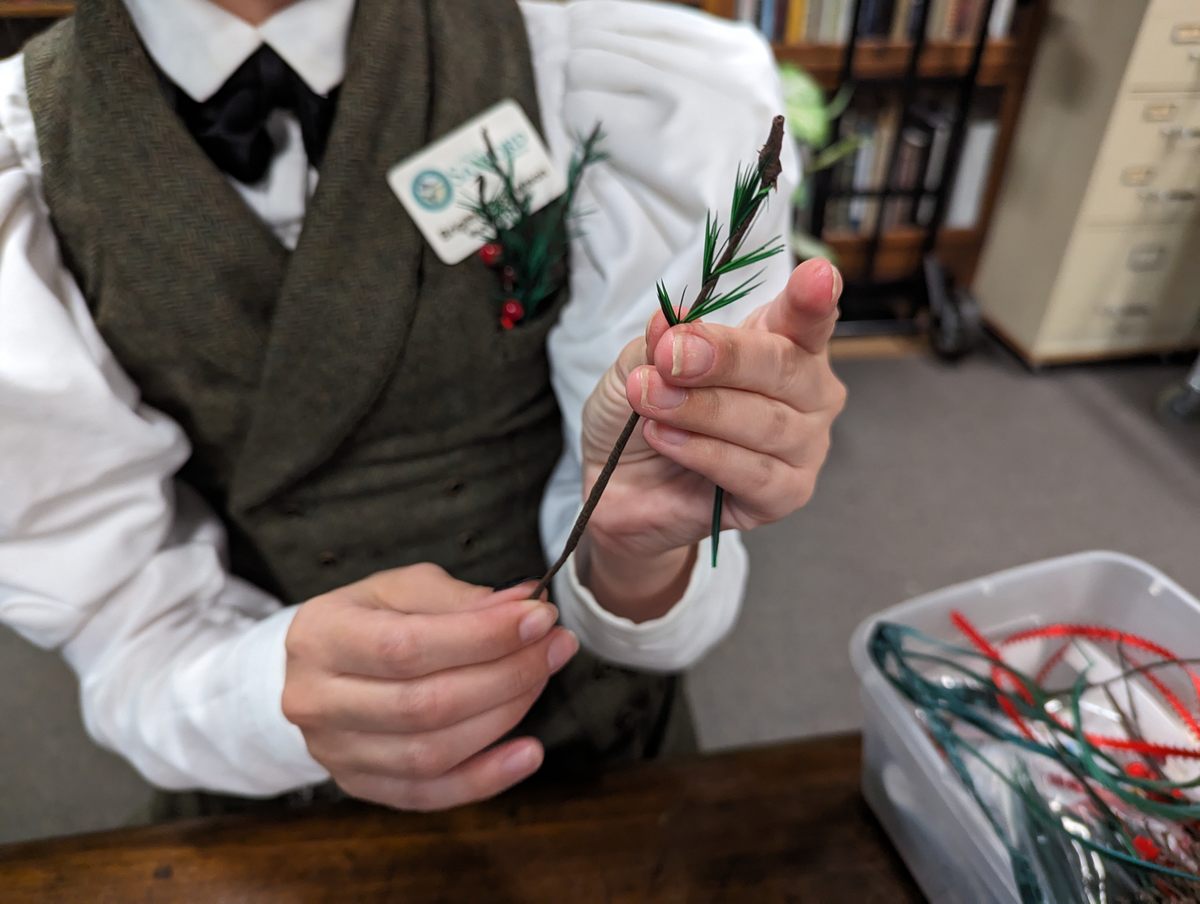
664 302
718 509
762 253
716 302
712 234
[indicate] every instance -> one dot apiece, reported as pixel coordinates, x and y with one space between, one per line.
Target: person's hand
402 682
748 409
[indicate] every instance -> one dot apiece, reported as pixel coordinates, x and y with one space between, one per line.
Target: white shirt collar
199 45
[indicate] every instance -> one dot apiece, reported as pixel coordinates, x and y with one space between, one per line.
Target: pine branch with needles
721 257
534 248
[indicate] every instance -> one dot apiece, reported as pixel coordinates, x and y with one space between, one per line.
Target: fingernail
523 760
837 282
540 620
691 356
670 434
661 395
562 648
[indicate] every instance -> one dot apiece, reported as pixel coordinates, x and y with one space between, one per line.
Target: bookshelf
1005 70
885 59
20 20
35 9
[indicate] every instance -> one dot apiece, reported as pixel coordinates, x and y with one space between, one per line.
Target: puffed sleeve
683 98
102 556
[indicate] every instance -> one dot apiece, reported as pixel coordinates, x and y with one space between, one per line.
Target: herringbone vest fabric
353 405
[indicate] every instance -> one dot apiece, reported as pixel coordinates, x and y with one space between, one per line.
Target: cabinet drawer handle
1177 195
1137 175
1135 309
1143 258
1173 132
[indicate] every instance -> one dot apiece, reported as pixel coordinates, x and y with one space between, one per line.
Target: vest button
467 540
327 557
454 487
290 509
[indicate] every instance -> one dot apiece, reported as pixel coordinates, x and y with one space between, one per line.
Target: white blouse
104 555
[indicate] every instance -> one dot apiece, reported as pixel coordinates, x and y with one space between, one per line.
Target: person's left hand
748 409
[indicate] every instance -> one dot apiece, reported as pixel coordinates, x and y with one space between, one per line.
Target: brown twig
769 168
593 499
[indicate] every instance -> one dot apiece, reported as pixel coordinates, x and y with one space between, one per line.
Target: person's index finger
806 310
378 643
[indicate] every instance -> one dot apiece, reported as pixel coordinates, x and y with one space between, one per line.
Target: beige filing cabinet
1094 248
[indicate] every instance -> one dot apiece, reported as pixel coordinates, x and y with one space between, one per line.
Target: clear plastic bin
938 829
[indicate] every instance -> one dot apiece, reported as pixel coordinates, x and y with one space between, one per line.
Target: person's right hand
402 682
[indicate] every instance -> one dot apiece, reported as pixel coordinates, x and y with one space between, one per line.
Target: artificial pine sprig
752 186
529 252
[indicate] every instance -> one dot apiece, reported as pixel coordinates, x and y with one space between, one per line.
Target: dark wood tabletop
784 823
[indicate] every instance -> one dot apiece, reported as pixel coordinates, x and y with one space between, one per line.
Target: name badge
437 185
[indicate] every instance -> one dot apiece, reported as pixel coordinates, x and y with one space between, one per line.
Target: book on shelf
902 20
1000 24
966 200
815 10
860 211
829 21
910 159
937 25
875 18
886 124
835 21
781 12
796 24
939 125
766 17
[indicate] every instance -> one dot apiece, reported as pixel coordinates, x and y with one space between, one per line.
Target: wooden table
782 823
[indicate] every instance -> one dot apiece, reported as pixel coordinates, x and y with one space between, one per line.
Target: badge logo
432 190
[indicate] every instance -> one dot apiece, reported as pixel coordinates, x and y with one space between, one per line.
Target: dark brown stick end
768 158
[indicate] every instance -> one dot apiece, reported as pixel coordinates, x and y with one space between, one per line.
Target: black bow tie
231 126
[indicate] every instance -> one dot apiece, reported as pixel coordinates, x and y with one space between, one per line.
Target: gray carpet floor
938 474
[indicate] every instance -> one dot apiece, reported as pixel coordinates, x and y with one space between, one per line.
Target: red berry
507 322
491 254
1138 770
1147 848
512 310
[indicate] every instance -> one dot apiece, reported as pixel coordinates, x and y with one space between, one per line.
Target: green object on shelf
806 247
804 100
810 121
810 116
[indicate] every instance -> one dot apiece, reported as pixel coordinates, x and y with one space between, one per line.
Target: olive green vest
353 405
